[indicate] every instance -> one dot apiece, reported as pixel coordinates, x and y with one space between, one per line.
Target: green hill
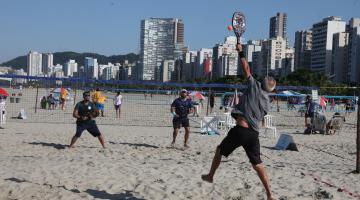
63 57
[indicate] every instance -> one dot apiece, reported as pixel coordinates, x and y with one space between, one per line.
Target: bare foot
270 198
186 146
71 147
207 178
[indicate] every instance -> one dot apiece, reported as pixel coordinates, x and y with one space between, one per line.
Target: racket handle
238 40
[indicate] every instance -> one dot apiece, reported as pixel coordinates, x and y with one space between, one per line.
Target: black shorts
91 128
178 122
245 137
311 115
117 107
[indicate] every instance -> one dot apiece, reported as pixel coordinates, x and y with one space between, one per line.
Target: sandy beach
137 164
36 164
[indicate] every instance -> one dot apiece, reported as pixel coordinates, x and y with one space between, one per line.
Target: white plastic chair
269 125
208 124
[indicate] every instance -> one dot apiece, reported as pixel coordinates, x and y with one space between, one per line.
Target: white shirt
118 100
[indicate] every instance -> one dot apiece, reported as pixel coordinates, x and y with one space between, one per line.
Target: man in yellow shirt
63 95
99 101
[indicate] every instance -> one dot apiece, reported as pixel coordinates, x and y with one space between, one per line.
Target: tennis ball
230 28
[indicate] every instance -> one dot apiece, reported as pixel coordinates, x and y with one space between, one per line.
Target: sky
112 27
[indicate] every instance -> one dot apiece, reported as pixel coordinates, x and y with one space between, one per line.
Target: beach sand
36 164
137 164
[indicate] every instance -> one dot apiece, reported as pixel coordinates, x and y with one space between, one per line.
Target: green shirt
84 110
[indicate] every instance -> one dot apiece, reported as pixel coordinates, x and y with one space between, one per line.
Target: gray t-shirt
254 104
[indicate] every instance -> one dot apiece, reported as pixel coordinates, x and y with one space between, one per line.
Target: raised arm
244 63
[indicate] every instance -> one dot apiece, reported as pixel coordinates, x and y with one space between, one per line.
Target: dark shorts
245 137
90 127
117 107
178 122
311 115
211 104
62 100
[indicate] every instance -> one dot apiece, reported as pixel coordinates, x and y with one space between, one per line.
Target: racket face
238 23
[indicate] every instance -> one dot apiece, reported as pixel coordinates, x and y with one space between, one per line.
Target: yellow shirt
98 97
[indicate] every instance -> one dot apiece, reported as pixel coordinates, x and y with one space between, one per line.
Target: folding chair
208 124
269 125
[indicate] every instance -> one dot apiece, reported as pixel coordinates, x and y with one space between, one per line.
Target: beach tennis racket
238 24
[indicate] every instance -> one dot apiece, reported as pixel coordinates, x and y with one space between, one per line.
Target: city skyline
110 30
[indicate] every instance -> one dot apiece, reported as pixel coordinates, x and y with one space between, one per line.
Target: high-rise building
322 40
250 48
339 57
47 63
203 68
278 26
303 40
225 58
273 52
70 68
34 62
160 39
288 62
353 54
91 68
189 66
167 71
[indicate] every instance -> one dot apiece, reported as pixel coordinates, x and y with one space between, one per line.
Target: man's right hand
84 118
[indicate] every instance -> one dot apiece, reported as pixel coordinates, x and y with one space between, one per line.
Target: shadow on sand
56 146
136 144
104 195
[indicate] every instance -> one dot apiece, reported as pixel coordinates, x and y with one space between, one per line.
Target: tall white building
225 58
339 57
189 65
278 26
91 68
303 40
167 70
70 68
250 49
160 39
273 53
34 62
322 40
353 69
47 63
202 68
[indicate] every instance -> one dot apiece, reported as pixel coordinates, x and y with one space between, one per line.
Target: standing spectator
212 101
63 94
99 101
117 104
332 102
309 109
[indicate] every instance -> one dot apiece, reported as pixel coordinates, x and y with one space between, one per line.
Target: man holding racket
84 112
249 113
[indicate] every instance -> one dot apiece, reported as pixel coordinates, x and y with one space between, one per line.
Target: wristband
173 113
241 54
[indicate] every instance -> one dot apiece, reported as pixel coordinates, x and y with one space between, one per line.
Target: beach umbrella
3 92
199 95
58 90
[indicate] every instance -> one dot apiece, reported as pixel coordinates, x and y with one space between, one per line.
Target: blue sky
112 27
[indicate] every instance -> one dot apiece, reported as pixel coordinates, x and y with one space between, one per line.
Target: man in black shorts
84 120
180 109
249 113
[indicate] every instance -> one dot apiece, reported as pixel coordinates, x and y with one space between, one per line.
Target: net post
358 138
